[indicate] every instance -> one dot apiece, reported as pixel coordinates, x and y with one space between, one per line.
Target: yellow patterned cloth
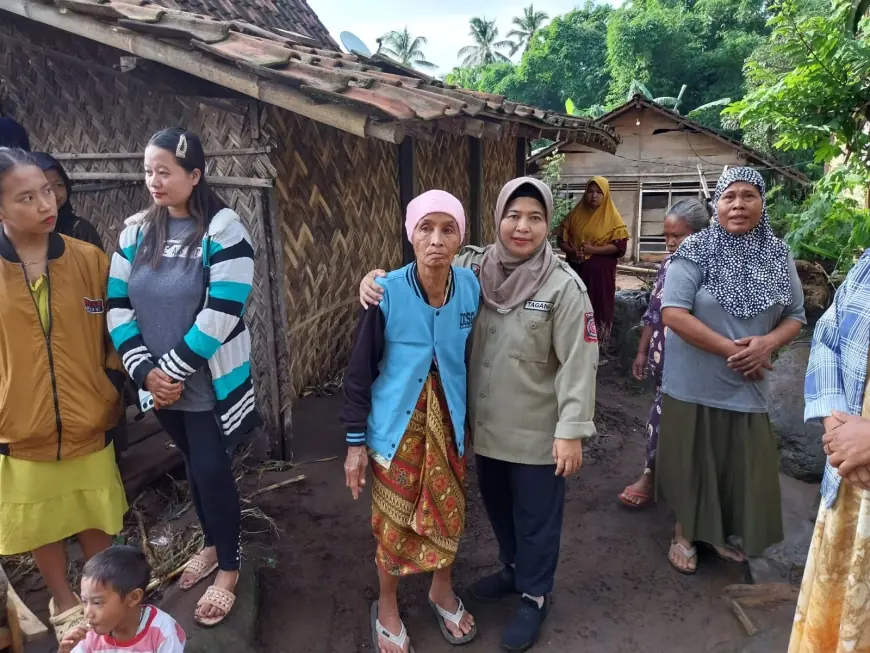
833 611
418 501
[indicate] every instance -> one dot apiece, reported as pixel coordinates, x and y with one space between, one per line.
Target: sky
443 22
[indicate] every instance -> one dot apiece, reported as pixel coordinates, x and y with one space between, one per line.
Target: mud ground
615 593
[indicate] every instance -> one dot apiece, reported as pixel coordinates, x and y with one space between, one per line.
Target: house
319 151
662 158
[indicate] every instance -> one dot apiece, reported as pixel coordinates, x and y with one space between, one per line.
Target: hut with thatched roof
319 151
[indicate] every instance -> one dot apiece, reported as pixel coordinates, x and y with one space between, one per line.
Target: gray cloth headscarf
507 280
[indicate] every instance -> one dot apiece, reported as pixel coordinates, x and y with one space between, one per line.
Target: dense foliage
797 71
811 93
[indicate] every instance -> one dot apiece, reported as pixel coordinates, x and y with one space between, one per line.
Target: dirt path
615 590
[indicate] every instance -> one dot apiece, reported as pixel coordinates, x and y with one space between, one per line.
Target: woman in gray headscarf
531 397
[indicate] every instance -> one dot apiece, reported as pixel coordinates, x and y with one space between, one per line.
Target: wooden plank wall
655 151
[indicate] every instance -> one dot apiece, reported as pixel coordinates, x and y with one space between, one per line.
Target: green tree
486 46
405 49
663 44
526 27
568 59
819 102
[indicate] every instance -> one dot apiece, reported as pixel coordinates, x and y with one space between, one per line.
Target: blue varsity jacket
394 348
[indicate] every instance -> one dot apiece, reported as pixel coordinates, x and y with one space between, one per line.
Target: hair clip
181 150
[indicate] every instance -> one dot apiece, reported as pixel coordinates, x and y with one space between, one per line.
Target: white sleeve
174 640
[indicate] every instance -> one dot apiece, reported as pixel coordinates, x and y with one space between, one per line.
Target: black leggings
210 477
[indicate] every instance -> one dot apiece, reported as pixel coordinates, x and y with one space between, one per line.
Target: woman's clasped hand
848 448
165 390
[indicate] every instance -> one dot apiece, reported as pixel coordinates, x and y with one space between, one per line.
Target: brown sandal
199 567
221 599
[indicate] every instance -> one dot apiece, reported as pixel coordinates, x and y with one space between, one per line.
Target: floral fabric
833 610
418 502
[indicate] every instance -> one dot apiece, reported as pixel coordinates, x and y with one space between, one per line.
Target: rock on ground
237 633
800 444
630 307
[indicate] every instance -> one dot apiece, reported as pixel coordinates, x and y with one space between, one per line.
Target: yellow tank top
39 291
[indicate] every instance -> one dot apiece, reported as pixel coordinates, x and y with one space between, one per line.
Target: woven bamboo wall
339 217
70 104
499 167
442 163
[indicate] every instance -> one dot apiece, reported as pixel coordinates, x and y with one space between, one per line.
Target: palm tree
486 45
526 26
405 49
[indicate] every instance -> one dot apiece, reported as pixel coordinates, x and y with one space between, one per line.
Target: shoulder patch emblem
476 269
543 307
590 330
95 306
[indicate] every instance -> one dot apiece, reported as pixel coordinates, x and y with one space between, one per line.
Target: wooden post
522 144
407 190
475 189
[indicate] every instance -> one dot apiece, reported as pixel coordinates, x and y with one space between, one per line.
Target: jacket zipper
47 336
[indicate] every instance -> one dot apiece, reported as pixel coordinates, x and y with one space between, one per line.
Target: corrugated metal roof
379 88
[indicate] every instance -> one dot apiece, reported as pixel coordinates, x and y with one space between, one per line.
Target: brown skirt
418 501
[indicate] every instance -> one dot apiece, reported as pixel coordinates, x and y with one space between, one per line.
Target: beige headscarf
507 280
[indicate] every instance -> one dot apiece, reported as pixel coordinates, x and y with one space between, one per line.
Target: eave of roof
638 102
358 95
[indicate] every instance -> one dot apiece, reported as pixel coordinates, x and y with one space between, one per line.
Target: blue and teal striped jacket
218 336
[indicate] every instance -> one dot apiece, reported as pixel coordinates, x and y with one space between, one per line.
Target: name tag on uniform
543 307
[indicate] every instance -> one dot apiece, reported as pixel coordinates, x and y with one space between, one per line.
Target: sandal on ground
198 566
739 557
691 555
645 498
66 621
221 599
378 631
455 618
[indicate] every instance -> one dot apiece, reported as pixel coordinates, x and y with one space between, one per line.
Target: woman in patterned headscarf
732 297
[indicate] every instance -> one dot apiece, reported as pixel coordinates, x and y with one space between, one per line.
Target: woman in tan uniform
531 397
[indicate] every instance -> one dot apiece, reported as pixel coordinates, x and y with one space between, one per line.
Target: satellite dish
354 44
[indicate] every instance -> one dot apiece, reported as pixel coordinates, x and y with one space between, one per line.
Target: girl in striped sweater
178 285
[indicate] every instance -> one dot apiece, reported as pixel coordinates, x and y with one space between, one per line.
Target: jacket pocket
532 338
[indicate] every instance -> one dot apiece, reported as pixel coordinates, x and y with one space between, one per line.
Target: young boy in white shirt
113 588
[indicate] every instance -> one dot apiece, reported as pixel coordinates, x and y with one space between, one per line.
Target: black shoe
524 628
495 586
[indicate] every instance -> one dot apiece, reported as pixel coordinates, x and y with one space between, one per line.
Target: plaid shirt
837 371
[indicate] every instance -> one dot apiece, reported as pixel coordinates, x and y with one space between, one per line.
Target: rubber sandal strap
399 640
453 617
688 553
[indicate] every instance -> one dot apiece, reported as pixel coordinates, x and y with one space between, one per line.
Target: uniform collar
56 247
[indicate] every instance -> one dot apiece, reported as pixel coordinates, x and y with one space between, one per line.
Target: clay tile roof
378 88
290 15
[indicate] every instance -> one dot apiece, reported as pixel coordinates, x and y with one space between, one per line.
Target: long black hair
11 157
202 205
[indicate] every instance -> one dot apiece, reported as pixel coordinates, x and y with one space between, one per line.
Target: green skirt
719 472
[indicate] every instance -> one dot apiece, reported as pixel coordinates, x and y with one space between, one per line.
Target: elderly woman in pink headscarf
404 409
